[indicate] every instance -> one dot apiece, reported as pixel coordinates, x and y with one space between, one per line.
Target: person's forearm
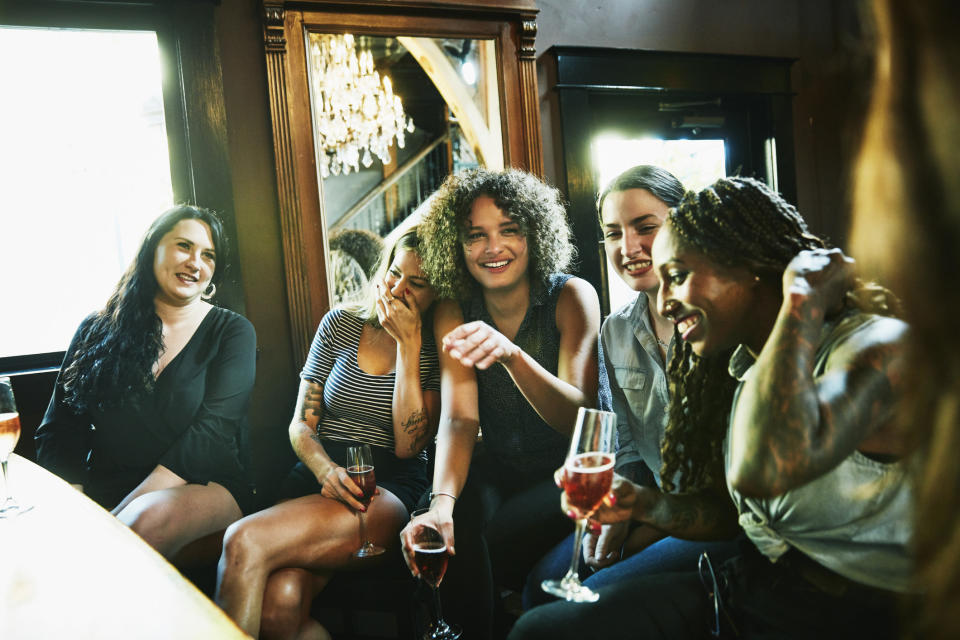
701 516
411 420
778 417
455 442
556 401
309 450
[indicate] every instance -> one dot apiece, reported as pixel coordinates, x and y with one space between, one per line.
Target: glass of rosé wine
587 477
360 470
430 556
9 435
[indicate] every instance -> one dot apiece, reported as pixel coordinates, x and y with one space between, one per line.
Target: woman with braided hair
783 385
634 341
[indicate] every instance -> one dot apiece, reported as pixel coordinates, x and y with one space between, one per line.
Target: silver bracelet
434 494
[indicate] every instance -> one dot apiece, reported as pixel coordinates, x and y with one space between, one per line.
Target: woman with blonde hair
371 377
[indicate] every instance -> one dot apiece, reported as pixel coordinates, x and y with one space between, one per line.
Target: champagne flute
360 470
430 556
587 477
9 435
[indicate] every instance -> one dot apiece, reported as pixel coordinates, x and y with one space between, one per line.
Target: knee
155 522
533 626
284 604
242 546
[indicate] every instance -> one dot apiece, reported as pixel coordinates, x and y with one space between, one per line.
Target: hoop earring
210 291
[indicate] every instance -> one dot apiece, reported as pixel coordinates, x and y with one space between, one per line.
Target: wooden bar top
68 569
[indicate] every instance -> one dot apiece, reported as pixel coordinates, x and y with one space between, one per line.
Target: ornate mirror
373 105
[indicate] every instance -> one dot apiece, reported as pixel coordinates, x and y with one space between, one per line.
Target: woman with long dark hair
148 415
795 365
371 377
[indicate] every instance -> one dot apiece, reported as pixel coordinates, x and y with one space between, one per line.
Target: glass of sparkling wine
430 556
9 435
587 476
360 470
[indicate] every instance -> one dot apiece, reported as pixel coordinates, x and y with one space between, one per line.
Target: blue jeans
667 555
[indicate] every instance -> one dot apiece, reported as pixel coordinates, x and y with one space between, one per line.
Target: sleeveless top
513 432
855 519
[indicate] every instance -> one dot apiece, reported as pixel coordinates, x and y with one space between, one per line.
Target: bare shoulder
447 316
877 342
578 295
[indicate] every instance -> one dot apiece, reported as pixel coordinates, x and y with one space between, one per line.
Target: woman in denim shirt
634 345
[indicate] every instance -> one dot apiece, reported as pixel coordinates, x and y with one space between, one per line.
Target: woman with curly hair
795 365
634 347
519 357
149 411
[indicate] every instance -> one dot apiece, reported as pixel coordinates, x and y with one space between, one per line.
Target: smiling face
495 249
406 280
184 262
714 307
631 219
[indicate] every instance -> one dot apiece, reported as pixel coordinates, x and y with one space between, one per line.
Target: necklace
663 344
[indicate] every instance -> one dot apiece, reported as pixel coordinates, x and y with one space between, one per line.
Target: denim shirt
638 384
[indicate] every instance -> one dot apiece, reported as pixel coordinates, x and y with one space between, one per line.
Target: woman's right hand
433 518
400 318
338 485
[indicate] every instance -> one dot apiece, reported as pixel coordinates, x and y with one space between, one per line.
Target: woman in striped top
371 377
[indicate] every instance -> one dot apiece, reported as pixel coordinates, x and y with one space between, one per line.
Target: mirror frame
510 23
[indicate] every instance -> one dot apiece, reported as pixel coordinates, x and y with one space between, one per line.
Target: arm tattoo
415 426
312 404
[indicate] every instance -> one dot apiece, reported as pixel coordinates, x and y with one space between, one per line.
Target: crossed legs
276 560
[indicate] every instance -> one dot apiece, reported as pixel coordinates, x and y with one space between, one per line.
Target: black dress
194 423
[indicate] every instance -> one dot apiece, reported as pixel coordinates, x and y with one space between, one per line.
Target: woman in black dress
150 405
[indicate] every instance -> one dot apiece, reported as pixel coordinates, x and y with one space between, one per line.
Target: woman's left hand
477 344
824 275
400 318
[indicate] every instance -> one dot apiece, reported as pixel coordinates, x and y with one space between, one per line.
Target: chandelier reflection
355 110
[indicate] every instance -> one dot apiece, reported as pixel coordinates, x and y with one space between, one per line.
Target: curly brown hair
535 206
736 222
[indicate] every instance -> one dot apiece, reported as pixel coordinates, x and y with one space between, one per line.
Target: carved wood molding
533 141
274 16
298 295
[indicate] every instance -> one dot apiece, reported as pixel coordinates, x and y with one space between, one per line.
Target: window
84 169
696 163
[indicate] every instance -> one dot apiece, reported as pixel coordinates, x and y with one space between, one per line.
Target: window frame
192 87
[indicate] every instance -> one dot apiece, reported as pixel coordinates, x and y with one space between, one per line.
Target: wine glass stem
437 614
363 531
572 574
6 481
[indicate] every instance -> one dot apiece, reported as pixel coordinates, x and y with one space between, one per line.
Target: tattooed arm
415 410
707 515
788 427
303 429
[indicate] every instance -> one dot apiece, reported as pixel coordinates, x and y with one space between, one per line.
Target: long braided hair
113 358
735 222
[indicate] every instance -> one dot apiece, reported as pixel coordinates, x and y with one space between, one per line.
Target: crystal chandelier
356 113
